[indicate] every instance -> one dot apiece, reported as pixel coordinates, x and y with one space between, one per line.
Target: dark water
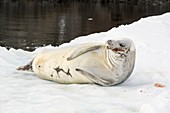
30 23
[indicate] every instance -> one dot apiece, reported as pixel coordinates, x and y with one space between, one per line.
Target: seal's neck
113 61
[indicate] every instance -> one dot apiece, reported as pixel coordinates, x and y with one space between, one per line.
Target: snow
22 92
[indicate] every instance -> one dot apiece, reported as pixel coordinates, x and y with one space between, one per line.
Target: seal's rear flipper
100 80
27 67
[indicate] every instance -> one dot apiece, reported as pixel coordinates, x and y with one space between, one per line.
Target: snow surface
22 92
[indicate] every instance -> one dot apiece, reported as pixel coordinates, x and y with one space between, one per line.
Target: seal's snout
114 45
120 45
111 42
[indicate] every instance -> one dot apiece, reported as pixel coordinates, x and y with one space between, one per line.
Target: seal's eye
38 66
122 45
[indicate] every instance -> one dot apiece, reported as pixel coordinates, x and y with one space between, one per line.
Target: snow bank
25 93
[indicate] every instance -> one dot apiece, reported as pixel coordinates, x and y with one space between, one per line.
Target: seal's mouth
116 49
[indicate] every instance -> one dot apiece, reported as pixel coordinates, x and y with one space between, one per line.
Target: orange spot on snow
159 85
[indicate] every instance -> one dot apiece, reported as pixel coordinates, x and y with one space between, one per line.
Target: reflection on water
29 23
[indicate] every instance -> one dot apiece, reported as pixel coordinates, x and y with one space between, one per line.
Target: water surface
29 24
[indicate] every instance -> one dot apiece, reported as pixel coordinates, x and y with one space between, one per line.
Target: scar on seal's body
58 69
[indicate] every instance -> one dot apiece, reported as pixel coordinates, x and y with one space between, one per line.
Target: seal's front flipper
27 67
99 77
83 50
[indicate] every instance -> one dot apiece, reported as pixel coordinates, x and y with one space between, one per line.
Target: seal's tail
27 67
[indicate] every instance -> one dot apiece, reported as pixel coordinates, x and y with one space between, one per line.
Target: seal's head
119 52
120 48
120 55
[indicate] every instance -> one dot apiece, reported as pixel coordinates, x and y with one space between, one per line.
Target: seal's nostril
109 42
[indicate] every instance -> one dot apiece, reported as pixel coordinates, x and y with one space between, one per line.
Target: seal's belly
57 68
63 73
